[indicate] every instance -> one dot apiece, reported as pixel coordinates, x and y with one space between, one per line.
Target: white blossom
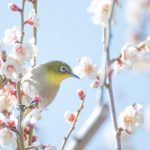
131 118
24 52
99 81
11 35
8 137
32 118
129 55
101 10
135 57
6 103
86 68
33 19
11 69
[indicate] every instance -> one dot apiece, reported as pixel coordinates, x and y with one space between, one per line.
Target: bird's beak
74 75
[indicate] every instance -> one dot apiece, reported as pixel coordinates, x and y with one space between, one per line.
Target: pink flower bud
34 138
13 7
13 93
29 21
11 124
81 94
70 116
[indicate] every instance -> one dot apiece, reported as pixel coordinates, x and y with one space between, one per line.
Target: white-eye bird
44 81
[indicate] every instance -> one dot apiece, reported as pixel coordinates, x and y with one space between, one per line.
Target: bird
44 81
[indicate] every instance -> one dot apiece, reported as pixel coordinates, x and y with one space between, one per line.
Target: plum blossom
101 10
8 137
7 103
70 116
32 19
131 118
32 118
81 94
99 81
86 68
129 55
24 52
135 57
13 7
11 69
12 35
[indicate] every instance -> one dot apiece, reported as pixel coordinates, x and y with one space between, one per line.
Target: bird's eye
63 69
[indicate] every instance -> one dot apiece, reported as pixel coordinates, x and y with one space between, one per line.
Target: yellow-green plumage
44 81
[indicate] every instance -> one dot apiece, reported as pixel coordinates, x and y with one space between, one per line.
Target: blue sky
67 33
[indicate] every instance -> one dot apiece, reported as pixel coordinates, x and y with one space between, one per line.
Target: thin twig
35 30
106 44
20 116
30 136
22 20
72 126
115 59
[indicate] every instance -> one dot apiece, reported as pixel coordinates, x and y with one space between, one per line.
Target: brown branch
106 44
89 128
22 20
35 30
20 116
73 125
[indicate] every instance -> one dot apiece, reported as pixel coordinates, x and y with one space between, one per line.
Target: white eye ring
63 69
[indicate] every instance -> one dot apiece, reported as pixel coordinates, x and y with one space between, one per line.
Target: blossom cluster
131 118
102 11
134 57
16 57
87 69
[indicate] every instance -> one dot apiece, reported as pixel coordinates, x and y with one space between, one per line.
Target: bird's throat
56 79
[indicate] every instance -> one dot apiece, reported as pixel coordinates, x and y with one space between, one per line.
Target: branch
73 125
22 20
89 128
20 117
35 29
106 44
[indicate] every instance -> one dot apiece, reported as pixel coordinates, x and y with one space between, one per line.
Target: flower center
10 68
20 50
105 8
88 69
129 119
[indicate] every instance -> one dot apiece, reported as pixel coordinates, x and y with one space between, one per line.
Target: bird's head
56 71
